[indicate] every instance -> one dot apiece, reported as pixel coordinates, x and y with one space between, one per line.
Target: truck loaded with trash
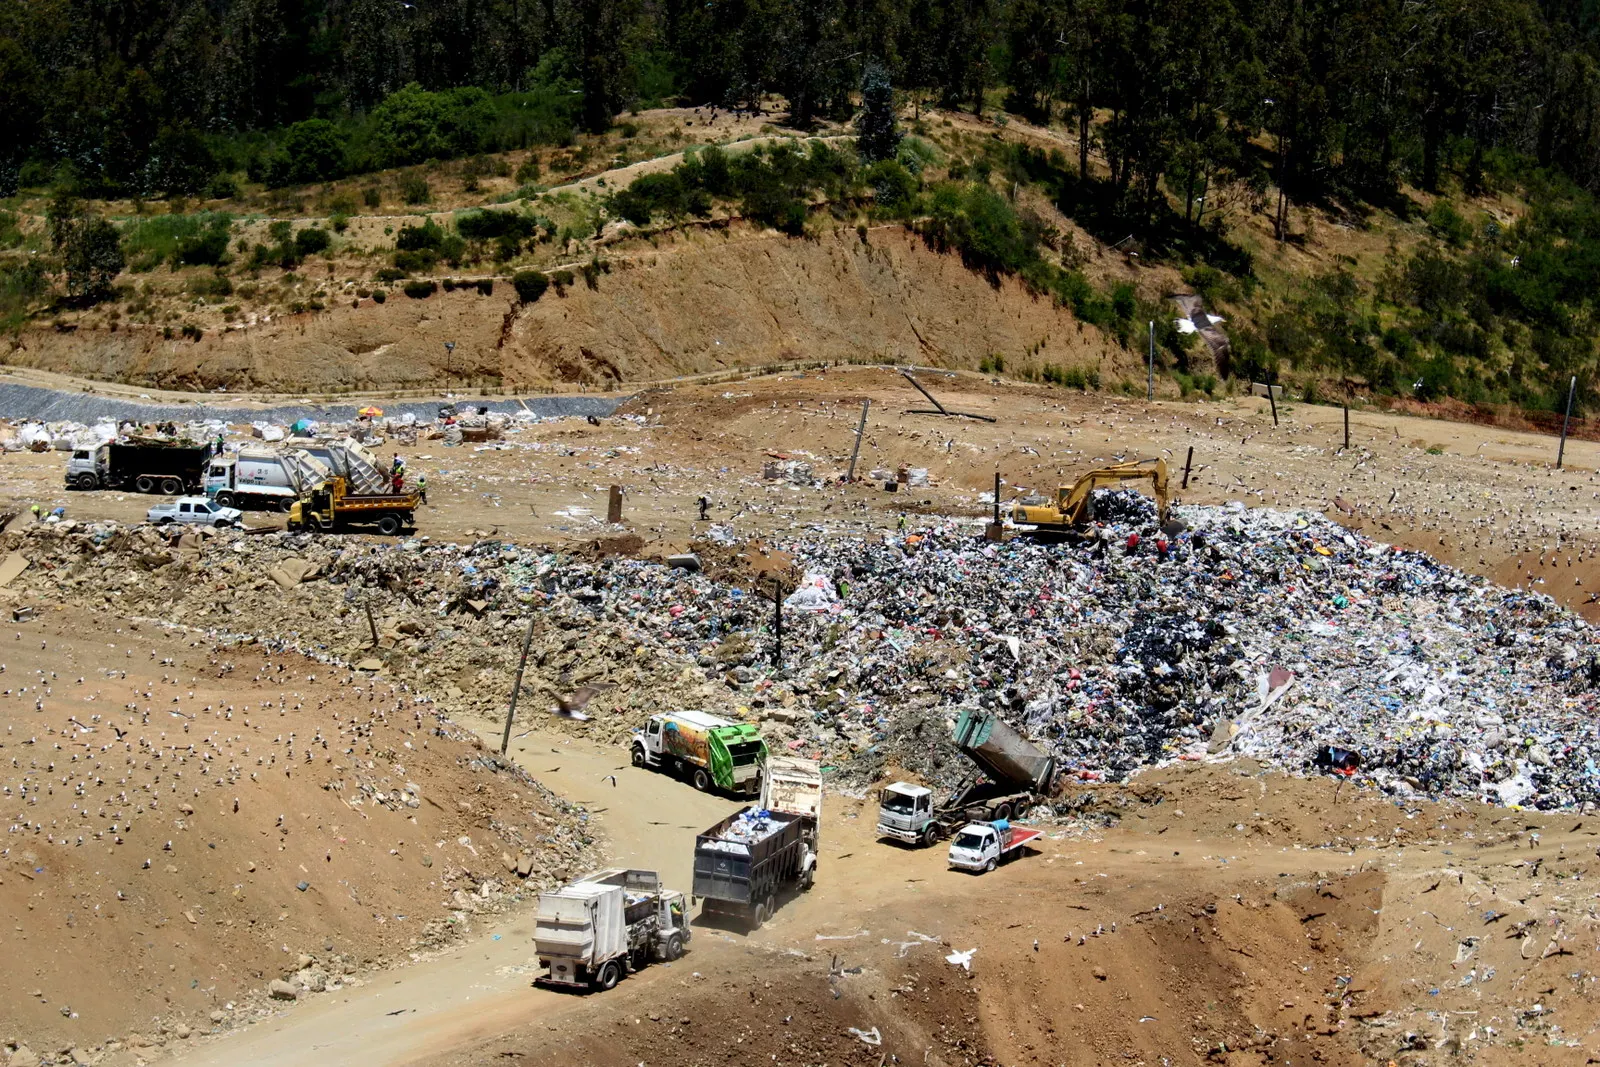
746 864
1011 775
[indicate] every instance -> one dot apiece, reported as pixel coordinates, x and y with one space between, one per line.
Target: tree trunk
1084 126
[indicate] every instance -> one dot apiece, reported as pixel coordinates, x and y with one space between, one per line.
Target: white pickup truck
194 509
982 846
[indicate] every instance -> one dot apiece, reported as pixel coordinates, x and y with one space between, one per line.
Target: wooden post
861 429
1188 461
996 532
777 624
1565 419
614 506
516 687
370 624
1347 425
1273 400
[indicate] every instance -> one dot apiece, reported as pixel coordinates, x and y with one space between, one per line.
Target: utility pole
516 687
449 359
1561 452
1150 380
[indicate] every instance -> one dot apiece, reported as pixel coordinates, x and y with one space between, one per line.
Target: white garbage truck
590 933
266 478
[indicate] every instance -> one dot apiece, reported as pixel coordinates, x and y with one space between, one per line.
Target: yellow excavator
1073 507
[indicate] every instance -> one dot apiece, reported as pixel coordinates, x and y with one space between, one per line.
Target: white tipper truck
1014 774
590 933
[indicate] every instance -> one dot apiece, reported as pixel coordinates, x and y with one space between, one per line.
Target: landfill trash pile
1264 633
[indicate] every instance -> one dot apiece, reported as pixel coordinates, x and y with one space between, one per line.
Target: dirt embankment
719 300
700 302
185 823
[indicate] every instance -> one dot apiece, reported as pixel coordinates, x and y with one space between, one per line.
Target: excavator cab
1073 507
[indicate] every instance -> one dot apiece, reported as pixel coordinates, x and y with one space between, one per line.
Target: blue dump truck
745 864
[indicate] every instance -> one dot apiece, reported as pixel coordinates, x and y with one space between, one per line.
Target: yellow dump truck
328 508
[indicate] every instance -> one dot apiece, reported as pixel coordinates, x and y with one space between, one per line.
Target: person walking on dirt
422 487
705 506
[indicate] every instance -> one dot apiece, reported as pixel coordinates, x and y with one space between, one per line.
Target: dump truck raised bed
263 478
147 467
744 863
983 846
328 508
604 925
703 748
1013 774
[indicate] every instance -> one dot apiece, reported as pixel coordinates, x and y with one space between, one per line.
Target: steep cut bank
718 300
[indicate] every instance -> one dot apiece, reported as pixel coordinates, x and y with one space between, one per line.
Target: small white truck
195 509
983 846
590 933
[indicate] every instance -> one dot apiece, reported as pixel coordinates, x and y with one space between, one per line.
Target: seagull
611 778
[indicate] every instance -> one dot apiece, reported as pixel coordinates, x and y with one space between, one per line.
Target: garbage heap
1268 634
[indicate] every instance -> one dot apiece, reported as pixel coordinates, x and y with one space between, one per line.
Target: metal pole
997 498
1272 399
1565 419
1347 425
1150 381
1188 461
861 429
931 399
516 687
370 624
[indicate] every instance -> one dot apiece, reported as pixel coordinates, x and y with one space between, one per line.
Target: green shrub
530 285
372 196
379 296
414 189
485 286
389 274
1447 224
420 289
311 241
561 279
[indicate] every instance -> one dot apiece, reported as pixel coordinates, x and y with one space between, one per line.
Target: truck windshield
972 841
899 803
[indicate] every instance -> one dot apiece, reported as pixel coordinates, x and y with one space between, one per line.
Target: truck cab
982 846
87 467
905 813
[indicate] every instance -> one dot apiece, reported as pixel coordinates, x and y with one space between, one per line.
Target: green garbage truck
710 752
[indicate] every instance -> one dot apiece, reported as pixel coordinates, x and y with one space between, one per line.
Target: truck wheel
1003 811
638 756
758 917
87 481
607 978
145 484
172 486
675 947
286 506
702 780
930 835
388 525
987 867
808 879
225 499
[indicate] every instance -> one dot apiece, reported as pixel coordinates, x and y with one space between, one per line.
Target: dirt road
483 988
